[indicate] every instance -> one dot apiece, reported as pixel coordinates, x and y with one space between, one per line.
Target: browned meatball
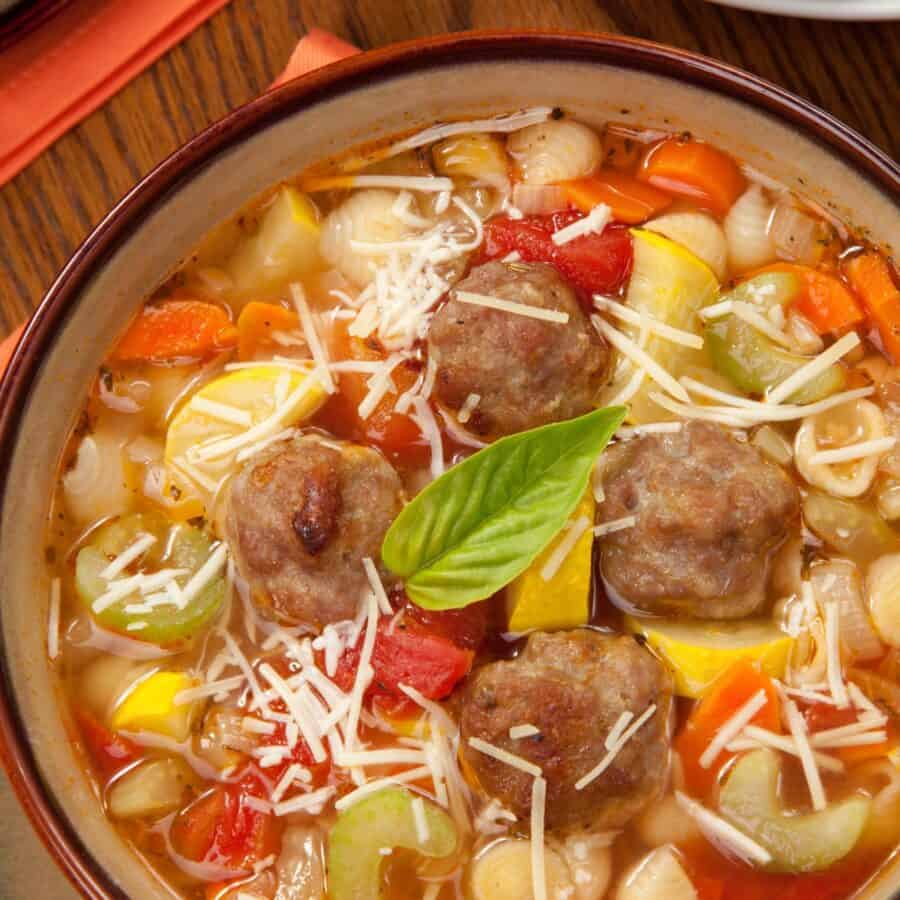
527 371
300 518
709 510
573 686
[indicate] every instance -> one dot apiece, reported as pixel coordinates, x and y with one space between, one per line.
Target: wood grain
850 70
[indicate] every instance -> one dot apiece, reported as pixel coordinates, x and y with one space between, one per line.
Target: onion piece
537 199
797 235
746 226
839 580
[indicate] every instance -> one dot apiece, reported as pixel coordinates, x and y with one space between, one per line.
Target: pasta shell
697 232
555 151
747 230
478 156
865 422
365 216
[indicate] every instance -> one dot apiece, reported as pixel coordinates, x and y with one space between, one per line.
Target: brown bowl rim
48 820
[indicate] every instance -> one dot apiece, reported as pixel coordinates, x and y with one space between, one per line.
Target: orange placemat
317 49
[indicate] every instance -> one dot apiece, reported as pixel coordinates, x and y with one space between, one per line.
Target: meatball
573 686
708 509
527 372
300 518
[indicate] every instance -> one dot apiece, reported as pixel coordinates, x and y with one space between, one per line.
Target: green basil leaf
482 523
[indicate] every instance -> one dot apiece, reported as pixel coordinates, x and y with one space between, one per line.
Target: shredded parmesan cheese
376 784
517 732
718 830
653 325
753 737
501 124
504 756
861 450
363 672
593 223
418 811
615 525
810 770
384 604
510 306
314 342
143 543
564 548
538 807
400 182
640 358
468 407
615 733
221 411
611 754
813 368
309 803
833 654
733 727
53 620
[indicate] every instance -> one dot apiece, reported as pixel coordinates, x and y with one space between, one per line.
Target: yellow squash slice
228 419
563 601
671 284
698 652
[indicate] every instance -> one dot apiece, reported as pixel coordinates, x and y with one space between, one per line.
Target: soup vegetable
508 511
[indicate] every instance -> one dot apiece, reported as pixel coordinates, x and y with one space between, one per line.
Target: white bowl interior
593 92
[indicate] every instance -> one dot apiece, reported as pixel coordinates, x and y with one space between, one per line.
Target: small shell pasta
590 861
883 592
366 216
659 876
859 421
665 822
503 872
478 156
697 232
747 230
555 151
101 482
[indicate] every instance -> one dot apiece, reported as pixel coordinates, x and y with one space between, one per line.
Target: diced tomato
301 754
631 201
593 263
725 696
689 168
110 751
395 433
407 653
221 827
822 716
465 627
176 329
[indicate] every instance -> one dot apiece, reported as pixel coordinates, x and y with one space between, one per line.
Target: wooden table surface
850 70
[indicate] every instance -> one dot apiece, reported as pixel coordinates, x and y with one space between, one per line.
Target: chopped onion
796 234
747 230
803 336
839 580
774 444
151 788
536 199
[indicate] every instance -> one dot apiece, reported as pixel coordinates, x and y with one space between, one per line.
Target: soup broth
362 594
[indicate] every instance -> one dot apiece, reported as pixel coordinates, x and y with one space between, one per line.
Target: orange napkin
317 49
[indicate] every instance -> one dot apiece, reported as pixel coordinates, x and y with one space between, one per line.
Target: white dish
843 10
